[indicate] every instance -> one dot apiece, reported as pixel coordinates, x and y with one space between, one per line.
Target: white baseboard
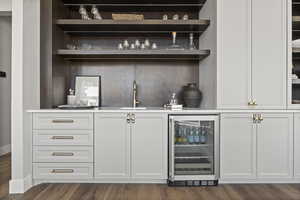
5 149
19 186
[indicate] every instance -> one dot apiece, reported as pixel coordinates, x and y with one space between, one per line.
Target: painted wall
5 6
5 84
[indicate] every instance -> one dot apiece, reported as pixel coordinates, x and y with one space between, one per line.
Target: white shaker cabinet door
234 64
149 146
112 150
237 147
275 146
269 46
297 146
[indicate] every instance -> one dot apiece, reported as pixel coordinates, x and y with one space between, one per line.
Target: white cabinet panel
234 80
297 146
238 146
63 121
149 146
112 150
269 46
275 146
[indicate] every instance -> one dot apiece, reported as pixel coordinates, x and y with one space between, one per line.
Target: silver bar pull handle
62 121
62 138
62 171
62 154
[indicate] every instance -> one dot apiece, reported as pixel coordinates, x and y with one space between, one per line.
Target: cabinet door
269 46
238 147
112 151
149 141
275 146
234 64
297 145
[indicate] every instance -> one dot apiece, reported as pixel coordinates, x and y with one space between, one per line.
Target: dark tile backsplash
156 80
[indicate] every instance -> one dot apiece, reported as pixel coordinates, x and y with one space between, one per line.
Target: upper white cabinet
252 54
256 147
5 5
297 146
129 145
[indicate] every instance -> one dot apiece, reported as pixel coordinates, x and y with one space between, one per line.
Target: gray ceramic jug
192 96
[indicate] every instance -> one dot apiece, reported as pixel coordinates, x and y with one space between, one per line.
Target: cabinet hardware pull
255 118
62 138
62 154
252 103
59 121
261 118
128 118
62 171
133 118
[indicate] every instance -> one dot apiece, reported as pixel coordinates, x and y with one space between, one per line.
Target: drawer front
62 121
62 154
63 171
63 137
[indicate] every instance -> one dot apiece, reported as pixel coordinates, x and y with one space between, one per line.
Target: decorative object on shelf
192 96
165 17
96 13
71 98
83 12
192 45
185 17
116 16
126 44
120 46
174 45
154 46
143 46
71 47
175 17
137 44
132 46
88 90
147 43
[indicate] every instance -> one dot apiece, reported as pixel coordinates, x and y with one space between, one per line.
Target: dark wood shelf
296 53
135 2
133 54
146 26
296 23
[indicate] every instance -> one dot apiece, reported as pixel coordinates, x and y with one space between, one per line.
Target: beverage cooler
193 150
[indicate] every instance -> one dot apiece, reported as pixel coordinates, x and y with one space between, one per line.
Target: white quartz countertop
158 110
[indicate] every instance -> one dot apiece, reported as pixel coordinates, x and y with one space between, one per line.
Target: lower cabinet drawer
60 154
63 171
63 137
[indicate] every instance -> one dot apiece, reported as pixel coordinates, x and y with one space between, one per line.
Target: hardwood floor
144 191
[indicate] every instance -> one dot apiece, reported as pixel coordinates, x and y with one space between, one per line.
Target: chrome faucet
135 101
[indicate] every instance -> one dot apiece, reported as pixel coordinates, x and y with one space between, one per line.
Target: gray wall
156 80
5 83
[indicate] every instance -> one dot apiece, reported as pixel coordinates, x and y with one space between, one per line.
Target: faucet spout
135 88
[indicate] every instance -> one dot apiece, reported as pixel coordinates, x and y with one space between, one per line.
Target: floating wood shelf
135 2
146 26
133 54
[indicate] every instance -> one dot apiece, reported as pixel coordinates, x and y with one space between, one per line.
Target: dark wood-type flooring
145 191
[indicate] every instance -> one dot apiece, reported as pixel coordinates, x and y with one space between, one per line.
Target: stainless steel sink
133 108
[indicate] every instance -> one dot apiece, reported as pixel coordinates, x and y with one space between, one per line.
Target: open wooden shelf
133 54
134 2
146 26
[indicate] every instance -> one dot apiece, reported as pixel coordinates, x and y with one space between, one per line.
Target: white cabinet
256 147
112 150
238 147
149 139
297 146
252 62
131 146
275 146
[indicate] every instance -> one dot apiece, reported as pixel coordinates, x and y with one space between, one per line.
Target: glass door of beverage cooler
194 148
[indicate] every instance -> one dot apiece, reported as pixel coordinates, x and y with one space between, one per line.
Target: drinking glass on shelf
174 45
96 13
185 17
176 17
192 45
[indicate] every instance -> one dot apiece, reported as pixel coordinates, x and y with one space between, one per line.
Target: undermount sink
132 108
